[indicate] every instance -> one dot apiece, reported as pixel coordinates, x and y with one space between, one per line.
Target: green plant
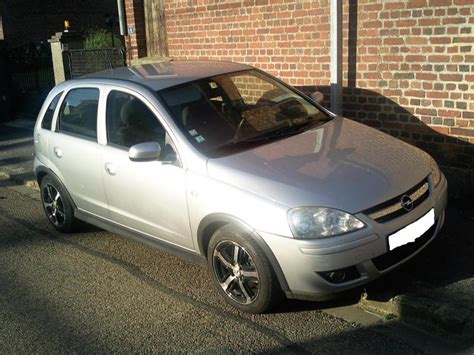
101 38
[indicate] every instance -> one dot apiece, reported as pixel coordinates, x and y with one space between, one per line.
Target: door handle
111 169
58 152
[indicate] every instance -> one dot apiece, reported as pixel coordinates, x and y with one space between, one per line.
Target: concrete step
436 310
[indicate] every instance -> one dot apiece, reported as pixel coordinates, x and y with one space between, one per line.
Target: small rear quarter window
48 115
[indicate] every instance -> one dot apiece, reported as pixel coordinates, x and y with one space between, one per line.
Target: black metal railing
87 61
30 68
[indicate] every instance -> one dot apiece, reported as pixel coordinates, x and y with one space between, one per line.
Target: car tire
57 206
241 272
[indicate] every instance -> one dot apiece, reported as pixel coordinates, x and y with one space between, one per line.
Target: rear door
147 196
43 129
74 153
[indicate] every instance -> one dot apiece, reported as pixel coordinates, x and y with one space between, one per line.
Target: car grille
393 208
394 256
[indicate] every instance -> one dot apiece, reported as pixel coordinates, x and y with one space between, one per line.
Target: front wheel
241 271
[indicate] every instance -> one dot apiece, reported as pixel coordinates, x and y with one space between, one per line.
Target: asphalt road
96 292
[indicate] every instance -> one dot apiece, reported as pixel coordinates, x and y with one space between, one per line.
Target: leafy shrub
101 38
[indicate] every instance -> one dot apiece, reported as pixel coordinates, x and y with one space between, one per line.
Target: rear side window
78 113
48 115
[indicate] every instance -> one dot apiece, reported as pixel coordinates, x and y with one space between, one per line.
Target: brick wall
409 65
252 88
414 74
135 41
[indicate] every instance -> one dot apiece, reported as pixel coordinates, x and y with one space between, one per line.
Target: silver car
227 165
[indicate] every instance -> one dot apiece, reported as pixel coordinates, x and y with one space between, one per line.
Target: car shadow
346 298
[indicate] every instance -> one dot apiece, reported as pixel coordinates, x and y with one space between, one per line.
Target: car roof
162 75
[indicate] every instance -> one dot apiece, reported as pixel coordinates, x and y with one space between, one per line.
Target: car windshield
229 113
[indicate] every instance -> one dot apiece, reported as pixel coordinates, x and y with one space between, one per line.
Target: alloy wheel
236 272
53 205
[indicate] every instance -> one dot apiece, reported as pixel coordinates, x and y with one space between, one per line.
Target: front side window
130 122
228 113
78 115
48 115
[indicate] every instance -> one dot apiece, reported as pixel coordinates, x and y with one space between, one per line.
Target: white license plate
411 232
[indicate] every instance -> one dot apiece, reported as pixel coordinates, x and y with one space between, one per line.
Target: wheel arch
42 171
214 221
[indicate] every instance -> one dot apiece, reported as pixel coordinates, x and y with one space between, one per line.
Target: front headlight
321 222
435 172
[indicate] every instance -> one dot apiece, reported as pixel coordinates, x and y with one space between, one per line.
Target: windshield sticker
193 132
199 139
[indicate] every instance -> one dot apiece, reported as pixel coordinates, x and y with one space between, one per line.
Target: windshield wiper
283 132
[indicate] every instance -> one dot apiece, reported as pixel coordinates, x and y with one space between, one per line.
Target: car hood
341 164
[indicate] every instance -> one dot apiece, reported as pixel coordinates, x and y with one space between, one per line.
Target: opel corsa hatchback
226 164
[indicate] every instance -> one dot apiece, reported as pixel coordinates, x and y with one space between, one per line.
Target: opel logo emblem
406 202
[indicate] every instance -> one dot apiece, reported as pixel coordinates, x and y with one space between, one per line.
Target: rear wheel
57 206
241 271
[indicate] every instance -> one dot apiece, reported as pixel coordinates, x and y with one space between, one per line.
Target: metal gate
30 76
86 61
31 68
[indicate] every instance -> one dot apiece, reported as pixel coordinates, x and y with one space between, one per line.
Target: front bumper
363 254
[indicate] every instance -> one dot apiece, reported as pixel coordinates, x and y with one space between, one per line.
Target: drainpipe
121 17
336 56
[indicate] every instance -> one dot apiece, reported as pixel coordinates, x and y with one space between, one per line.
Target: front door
148 196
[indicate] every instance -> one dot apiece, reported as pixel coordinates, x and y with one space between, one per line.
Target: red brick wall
288 39
409 65
414 74
135 41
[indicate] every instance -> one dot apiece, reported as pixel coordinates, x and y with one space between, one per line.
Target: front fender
212 222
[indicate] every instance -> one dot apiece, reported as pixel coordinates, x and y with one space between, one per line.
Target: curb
28 182
425 311
24 123
32 184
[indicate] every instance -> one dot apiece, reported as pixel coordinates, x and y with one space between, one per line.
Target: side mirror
145 151
317 96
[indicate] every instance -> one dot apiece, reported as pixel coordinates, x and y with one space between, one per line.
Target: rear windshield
233 112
